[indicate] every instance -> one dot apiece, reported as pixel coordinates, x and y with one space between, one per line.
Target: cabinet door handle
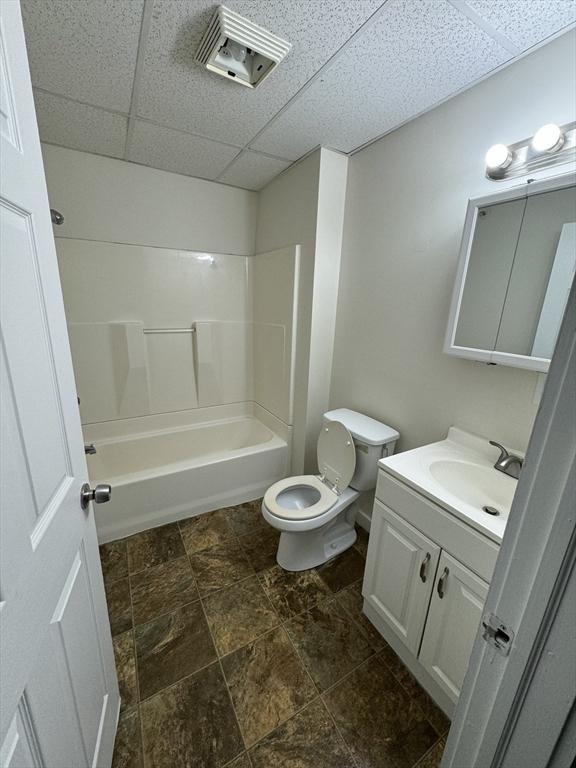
442 583
424 568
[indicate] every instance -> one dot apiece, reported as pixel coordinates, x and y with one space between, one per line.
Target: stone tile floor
224 659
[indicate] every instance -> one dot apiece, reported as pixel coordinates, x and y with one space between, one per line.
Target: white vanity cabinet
426 580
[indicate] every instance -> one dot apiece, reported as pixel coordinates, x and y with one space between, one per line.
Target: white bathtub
162 471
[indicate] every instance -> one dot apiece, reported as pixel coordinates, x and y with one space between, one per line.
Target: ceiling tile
84 50
178 92
252 170
413 56
526 23
78 126
178 152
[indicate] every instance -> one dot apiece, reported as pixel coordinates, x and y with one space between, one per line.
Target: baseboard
364 520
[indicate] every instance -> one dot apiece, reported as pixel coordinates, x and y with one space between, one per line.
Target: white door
59 695
400 569
453 620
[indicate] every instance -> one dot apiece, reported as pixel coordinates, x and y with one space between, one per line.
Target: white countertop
458 474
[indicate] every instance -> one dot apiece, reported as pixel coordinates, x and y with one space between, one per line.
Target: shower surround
184 368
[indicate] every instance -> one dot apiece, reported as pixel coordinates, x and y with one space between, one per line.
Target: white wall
405 207
329 231
305 205
119 202
140 249
128 252
287 213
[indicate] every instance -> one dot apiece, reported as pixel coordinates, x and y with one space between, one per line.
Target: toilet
313 511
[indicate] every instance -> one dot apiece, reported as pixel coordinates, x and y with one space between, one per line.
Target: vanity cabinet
426 579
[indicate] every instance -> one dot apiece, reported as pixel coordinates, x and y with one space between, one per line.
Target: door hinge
497 634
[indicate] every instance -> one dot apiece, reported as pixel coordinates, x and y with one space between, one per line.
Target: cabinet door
400 570
455 613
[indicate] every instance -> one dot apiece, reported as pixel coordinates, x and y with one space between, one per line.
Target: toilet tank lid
362 427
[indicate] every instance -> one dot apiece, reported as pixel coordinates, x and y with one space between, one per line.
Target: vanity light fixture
549 138
551 145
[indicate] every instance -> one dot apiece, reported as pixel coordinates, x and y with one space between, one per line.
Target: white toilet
312 511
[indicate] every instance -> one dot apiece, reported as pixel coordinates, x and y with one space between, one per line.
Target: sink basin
458 474
475 484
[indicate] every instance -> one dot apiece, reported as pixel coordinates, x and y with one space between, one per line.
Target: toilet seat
327 498
309 496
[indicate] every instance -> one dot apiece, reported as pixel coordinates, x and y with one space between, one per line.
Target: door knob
99 495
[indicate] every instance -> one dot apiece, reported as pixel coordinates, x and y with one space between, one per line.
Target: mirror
517 263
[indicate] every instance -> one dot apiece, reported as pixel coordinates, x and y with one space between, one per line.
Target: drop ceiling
118 77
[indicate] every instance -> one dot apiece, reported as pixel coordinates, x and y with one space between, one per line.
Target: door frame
519 709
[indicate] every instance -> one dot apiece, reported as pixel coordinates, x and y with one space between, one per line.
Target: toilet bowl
314 512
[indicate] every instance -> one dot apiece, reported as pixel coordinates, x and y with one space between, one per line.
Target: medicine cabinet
517 263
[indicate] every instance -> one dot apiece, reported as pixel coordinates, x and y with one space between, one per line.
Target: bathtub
162 470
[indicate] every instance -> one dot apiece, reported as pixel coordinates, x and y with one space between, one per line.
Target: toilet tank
372 441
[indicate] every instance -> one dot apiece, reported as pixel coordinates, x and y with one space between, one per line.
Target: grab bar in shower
170 330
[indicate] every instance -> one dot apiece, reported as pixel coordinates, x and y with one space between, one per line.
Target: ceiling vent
237 49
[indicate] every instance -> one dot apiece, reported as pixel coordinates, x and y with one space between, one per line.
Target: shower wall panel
133 314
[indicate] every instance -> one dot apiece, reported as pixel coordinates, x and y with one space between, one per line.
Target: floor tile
342 570
329 642
352 601
162 589
239 614
219 567
261 547
378 720
153 547
308 740
268 684
126 669
432 758
292 593
119 607
114 560
206 531
439 721
361 544
171 647
391 659
191 724
128 744
245 518
386 718
240 762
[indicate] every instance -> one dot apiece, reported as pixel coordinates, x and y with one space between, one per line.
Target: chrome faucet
507 462
90 448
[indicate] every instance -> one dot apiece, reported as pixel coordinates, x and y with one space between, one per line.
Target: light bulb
498 157
549 138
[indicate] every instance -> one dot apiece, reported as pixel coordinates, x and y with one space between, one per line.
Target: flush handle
99 495
442 583
424 568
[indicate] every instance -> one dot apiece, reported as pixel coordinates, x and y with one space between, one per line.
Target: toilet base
302 550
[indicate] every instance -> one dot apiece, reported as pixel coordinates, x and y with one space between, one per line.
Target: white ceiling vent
237 49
